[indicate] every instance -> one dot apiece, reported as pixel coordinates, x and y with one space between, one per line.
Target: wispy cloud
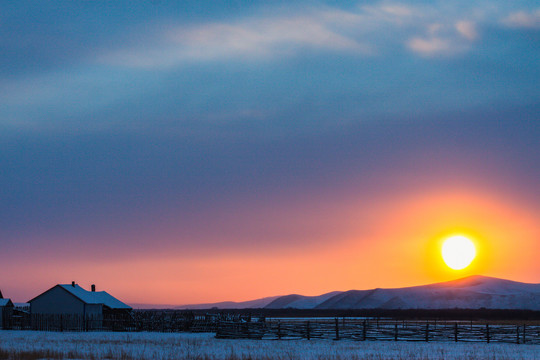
252 38
361 30
523 19
429 46
444 39
467 29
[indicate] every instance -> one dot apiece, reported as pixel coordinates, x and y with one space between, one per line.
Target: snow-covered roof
91 297
95 297
5 302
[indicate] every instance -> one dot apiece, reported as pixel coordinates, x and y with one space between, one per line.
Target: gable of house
6 303
57 301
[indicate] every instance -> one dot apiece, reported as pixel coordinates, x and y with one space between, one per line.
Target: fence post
337 328
487 333
455 332
523 341
364 331
279 330
308 331
395 332
517 334
427 331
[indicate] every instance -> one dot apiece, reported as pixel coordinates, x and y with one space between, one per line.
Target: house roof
95 297
92 297
5 302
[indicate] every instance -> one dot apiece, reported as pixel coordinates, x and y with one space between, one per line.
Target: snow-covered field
109 345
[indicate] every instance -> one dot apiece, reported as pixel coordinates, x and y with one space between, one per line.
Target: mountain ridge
472 292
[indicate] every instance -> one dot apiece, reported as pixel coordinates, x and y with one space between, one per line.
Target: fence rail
371 330
228 326
154 321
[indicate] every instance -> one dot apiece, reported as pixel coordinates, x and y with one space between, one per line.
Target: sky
187 152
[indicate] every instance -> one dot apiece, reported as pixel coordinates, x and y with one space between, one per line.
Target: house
6 312
70 302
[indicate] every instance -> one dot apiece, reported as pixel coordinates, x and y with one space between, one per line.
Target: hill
473 292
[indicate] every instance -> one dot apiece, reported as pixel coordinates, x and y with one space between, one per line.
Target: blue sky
130 125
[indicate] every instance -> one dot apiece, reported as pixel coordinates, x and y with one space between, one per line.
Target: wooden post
364 331
395 332
517 334
455 332
427 331
523 341
308 331
337 329
487 333
279 330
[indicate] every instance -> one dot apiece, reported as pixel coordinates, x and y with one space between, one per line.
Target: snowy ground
108 345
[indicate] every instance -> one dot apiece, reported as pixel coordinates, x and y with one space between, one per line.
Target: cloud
429 46
397 10
522 19
444 39
467 29
252 38
263 36
359 31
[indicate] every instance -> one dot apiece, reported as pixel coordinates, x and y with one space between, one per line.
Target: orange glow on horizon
395 243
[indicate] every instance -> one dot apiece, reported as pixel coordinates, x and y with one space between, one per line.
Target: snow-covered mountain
472 292
300 301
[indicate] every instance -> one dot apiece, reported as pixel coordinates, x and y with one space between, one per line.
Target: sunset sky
201 151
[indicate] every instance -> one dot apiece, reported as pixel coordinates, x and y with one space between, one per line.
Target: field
26 345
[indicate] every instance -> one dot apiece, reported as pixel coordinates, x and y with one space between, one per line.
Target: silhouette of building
6 312
71 301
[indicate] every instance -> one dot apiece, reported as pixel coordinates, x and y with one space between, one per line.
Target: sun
458 252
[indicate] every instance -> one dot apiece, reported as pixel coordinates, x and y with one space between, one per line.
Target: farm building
6 312
73 302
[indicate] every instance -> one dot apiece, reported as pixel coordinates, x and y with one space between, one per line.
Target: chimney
73 283
1 297
93 288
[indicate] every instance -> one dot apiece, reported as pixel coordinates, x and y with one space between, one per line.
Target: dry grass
30 355
31 345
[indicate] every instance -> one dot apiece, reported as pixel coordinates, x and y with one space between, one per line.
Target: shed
70 301
6 313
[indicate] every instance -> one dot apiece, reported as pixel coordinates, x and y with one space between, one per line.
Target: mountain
472 292
300 301
144 306
252 304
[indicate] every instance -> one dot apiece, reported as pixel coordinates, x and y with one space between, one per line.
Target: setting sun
458 252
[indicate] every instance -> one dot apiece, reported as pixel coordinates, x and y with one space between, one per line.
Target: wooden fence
155 321
227 326
372 330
